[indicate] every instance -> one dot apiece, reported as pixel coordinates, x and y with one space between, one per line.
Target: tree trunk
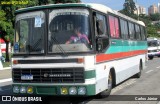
7 53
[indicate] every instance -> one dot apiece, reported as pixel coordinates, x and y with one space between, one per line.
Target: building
140 10
158 7
152 9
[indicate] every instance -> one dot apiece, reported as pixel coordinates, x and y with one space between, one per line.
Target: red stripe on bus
107 57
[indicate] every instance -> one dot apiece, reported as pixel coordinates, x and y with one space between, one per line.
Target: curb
5 68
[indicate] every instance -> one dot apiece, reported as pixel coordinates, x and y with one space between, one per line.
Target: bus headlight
16 89
29 89
23 89
81 91
72 91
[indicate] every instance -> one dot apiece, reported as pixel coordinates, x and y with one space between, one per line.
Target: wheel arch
141 63
112 70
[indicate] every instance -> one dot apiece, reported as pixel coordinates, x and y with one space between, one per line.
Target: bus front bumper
56 90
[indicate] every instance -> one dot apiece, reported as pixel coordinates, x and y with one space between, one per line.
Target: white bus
111 49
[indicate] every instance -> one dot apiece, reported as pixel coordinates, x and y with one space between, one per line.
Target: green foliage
4 24
129 8
152 31
155 17
145 18
157 26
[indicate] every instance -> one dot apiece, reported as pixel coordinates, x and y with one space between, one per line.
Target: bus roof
99 7
106 9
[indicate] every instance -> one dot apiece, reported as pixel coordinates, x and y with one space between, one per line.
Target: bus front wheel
107 92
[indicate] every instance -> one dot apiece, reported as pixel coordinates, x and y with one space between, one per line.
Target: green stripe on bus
91 89
90 74
125 46
48 90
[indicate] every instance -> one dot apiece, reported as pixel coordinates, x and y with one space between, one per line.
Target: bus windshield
68 31
30 32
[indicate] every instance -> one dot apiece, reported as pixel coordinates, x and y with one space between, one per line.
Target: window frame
106 27
91 38
106 34
122 35
144 33
136 32
134 38
117 17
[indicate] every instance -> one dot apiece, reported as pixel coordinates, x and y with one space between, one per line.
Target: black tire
150 57
138 75
107 92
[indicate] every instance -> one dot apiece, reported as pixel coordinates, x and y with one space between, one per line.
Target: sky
118 4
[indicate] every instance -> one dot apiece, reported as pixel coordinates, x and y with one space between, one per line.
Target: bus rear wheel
138 75
107 92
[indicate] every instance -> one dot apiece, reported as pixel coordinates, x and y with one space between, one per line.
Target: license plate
26 77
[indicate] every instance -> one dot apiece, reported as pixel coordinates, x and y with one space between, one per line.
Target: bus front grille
53 75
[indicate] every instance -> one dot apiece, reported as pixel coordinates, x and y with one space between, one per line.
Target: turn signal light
80 60
15 61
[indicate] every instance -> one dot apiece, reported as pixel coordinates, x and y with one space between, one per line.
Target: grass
7 64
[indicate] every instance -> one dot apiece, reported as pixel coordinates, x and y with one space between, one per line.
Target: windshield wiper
35 46
59 46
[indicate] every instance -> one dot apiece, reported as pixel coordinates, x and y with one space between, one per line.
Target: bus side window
100 24
102 40
131 30
143 33
114 27
138 35
124 29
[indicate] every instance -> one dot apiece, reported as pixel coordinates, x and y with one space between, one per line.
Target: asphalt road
135 89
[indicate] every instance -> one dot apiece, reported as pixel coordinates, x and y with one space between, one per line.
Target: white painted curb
5 68
5 80
1 66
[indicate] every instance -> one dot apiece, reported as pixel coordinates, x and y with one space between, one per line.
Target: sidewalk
5 68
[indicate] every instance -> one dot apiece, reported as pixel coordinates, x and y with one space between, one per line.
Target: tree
152 31
145 18
155 17
6 29
157 25
7 19
128 8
